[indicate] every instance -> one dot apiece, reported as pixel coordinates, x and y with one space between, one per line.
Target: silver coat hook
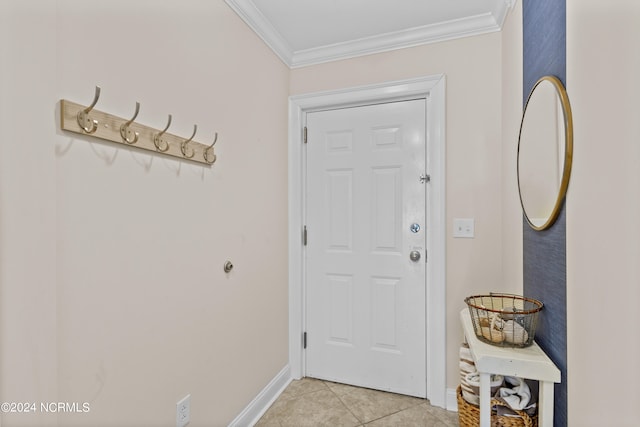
183 146
157 138
84 121
206 151
125 132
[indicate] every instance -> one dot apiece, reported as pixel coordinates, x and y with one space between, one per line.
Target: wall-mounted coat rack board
87 121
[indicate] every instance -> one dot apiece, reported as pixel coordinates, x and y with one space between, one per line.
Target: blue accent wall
545 272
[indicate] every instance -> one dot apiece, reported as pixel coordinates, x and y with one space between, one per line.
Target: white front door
365 216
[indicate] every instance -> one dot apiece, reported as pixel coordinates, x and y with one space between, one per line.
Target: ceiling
305 32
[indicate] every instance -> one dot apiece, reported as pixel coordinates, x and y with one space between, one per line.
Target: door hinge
425 178
304 340
304 135
304 235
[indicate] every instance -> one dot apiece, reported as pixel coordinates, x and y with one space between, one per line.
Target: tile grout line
346 407
364 423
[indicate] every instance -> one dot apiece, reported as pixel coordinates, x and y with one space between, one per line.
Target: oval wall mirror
545 150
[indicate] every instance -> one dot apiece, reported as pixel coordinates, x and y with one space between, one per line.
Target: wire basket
504 320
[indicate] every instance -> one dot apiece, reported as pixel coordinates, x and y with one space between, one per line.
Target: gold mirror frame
563 99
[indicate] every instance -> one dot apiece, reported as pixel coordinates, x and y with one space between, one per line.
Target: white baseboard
452 400
258 406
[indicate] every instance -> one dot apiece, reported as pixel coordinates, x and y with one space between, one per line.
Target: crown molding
502 10
471 26
250 14
450 30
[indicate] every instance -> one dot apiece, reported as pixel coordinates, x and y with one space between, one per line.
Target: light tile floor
310 402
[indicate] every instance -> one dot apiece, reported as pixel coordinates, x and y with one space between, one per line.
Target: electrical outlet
463 227
183 411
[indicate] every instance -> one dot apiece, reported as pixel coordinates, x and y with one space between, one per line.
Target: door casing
431 88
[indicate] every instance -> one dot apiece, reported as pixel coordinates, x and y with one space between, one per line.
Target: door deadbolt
414 256
415 227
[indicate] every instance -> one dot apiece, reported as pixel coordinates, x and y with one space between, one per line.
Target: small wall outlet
183 411
463 227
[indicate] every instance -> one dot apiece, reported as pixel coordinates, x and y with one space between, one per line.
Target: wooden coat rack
88 121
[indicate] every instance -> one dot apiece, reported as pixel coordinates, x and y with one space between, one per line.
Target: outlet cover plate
183 411
464 227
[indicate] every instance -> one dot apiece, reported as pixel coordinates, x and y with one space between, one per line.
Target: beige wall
512 267
28 285
473 151
111 282
603 211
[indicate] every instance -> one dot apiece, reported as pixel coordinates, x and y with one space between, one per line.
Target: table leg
545 404
485 400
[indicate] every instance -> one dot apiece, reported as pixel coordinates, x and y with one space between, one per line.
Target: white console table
529 362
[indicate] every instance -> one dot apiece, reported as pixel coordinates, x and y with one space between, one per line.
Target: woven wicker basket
469 415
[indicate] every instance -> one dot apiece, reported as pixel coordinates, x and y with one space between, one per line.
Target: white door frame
432 88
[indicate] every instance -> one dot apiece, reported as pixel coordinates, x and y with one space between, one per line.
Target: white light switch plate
464 227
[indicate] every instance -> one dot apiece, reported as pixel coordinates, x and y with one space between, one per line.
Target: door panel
365 299
386 213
